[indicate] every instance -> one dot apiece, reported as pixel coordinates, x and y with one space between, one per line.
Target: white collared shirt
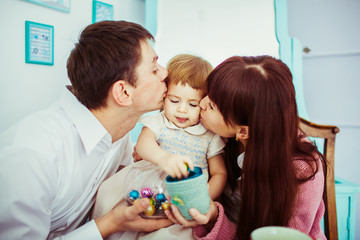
51 165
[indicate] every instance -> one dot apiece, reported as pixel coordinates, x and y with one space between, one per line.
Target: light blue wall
289 51
327 79
26 88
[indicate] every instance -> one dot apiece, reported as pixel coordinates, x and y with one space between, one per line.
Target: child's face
182 105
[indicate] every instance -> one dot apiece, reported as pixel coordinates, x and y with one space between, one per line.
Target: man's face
150 87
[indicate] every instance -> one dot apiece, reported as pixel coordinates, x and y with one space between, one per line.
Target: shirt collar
90 130
197 129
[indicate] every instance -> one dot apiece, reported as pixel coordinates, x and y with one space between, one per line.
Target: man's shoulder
43 130
51 121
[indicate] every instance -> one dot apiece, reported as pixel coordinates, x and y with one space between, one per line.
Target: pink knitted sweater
310 209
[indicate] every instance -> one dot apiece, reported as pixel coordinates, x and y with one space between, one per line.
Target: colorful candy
147 192
157 202
150 210
152 201
187 166
165 206
133 195
160 197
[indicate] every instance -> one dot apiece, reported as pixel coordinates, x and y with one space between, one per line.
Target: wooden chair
327 133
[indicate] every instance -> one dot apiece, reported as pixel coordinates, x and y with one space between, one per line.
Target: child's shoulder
152 119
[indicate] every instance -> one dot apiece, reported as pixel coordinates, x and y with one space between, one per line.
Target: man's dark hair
107 51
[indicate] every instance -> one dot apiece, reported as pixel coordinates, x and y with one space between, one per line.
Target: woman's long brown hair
258 92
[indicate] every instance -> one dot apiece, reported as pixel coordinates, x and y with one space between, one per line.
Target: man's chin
160 107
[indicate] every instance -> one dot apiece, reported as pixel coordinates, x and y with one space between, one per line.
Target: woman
275 173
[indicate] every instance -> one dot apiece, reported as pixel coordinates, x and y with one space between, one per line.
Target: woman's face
212 119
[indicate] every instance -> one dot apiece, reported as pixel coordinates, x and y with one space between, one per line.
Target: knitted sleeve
310 206
223 229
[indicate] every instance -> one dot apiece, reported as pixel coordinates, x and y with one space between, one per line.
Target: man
52 163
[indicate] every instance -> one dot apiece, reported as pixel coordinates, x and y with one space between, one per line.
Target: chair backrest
327 133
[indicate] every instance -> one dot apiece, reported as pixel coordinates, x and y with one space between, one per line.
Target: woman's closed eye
211 106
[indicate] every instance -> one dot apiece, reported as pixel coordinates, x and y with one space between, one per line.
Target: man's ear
122 93
242 133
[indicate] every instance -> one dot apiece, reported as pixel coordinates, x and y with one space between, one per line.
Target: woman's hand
198 219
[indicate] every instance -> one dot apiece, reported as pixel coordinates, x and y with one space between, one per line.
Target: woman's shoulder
306 165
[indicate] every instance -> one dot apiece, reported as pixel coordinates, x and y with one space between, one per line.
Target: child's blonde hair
190 69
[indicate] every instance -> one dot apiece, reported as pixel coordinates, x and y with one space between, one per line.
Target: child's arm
149 150
218 176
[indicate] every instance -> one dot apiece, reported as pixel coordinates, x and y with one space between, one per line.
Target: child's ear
242 133
122 93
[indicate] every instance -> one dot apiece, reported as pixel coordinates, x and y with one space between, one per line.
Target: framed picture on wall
61 5
102 11
39 43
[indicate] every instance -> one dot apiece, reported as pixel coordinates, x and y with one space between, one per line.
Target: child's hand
176 165
136 156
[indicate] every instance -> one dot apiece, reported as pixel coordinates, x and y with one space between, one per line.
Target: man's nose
163 72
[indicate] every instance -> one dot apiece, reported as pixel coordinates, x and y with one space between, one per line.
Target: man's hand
126 218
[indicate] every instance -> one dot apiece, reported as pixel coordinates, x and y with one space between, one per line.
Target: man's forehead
148 54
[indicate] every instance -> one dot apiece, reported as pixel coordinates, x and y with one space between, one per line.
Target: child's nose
182 108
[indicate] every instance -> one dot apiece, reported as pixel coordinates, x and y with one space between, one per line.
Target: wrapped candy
160 197
133 195
146 180
147 192
150 210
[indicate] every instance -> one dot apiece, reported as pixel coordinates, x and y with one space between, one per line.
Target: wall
26 88
330 29
215 29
